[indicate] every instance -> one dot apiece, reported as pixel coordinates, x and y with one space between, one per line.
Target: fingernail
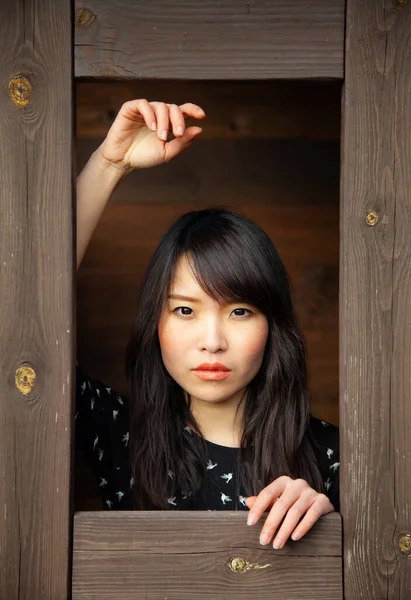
164 134
264 538
153 126
278 543
180 130
251 519
296 536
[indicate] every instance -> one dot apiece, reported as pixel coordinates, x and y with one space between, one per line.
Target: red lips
212 367
212 372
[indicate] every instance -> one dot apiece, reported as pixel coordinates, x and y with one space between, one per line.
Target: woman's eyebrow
179 297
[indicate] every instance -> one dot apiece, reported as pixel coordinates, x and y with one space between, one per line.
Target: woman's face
195 330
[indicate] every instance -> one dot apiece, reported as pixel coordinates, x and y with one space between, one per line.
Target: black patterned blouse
102 433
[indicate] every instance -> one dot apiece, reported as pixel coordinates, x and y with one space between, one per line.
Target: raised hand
138 137
289 499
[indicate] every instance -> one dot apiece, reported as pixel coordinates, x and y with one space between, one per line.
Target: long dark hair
233 260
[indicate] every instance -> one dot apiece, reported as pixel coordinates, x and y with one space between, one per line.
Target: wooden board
185 555
36 320
375 383
193 39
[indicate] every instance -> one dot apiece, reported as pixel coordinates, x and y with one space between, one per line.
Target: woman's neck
220 422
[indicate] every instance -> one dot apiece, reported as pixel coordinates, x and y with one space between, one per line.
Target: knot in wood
25 379
20 90
405 543
84 16
372 218
238 565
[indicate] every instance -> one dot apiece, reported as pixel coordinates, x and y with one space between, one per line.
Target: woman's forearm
95 184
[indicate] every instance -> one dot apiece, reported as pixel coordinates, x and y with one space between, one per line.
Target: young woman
218 416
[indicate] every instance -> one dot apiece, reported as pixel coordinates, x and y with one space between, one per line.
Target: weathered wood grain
187 555
193 39
375 313
36 280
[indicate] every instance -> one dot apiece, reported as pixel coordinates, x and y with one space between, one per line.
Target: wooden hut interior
269 149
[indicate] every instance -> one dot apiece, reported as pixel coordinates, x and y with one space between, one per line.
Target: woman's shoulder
325 433
91 387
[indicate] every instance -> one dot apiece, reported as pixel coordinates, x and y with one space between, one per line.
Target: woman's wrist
108 173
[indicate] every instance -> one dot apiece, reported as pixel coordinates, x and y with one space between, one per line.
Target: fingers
250 501
180 143
163 122
266 497
158 116
291 520
135 109
192 110
292 525
290 500
277 513
171 115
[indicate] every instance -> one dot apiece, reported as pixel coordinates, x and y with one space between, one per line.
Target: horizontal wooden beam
193 39
200 554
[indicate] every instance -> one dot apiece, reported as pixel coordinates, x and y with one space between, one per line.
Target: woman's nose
213 336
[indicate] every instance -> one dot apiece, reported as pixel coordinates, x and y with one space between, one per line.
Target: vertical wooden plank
36 280
375 310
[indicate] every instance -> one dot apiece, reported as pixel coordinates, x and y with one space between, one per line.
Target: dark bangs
235 261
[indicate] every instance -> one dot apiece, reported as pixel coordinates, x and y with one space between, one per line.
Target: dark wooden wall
270 150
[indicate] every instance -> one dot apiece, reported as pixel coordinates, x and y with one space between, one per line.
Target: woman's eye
183 310
241 312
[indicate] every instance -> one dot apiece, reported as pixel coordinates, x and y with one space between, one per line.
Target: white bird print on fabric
98 392
125 438
103 482
83 387
131 482
115 413
327 484
227 477
108 390
187 429
242 499
210 465
325 424
95 442
225 498
335 466
92 403
100 453
171 501
170 474
109 503
119 496
120 400
330 452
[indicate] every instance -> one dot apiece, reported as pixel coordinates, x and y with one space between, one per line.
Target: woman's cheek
171 339
253 344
